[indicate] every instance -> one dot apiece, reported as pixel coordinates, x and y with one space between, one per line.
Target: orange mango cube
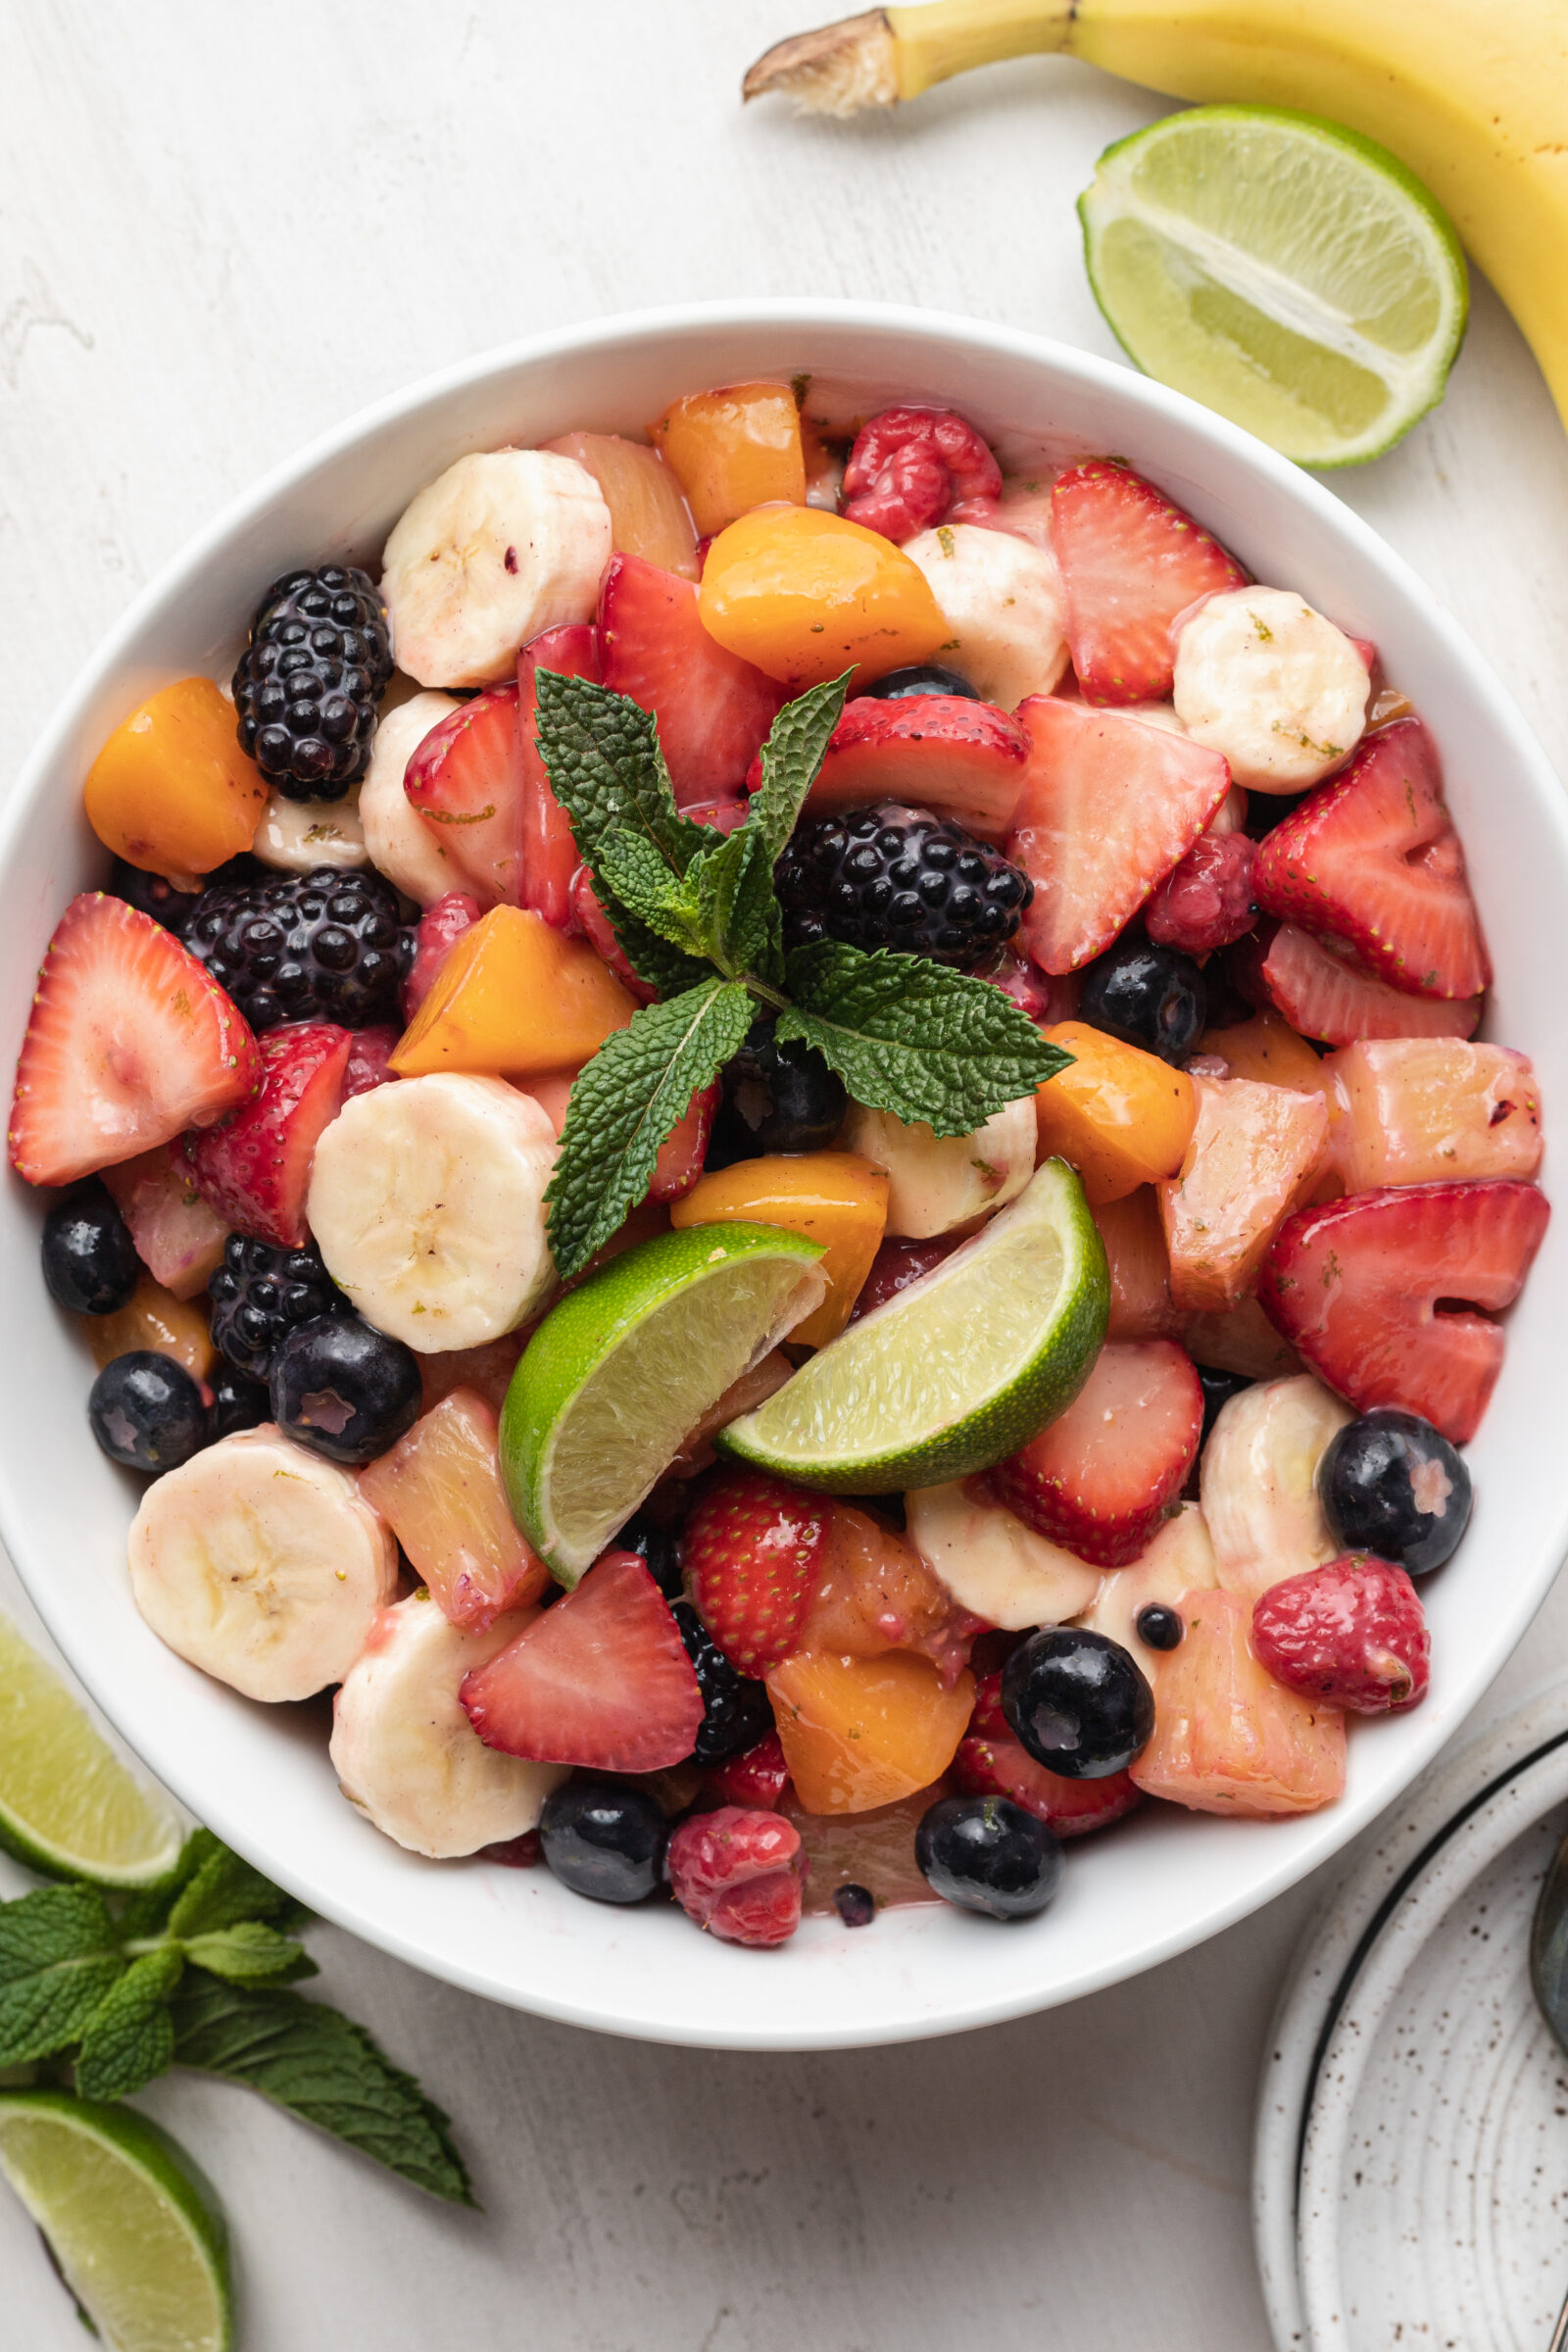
1120 1116
1141 1304
804 595
858 1733
875 1593
1414 1110
439 1489
514 998
1255 1155
835 1198
158 1321
1228 1738
172 791
731 450
1266 1047
647 516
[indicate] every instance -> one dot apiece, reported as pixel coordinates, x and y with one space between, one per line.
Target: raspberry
897 877
912 467
307 683
738 1873
1352 1633
755 1780
1206 902
320 947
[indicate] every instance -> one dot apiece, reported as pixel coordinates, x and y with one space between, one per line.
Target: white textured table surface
220 231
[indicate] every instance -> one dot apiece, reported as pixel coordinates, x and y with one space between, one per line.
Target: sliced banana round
1269 683
1002 597
426 1202
995 1565
262 1564
504 544
938 1183
1257 1482
406 1753
401 845
298 836
1178 1559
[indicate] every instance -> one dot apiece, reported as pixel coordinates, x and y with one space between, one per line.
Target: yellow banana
1472 97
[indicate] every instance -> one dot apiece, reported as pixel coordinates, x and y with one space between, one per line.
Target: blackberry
320 946
259 1294
307 683
736 1711
895 877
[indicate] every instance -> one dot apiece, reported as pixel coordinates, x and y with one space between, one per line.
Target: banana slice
1271 684
406 1753
995 1565
1179 1559
427 1200
938 1183
262 1564
401 845
298 836
1258 1483
1002 597
504 544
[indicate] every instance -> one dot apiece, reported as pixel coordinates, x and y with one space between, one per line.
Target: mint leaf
601 752
129 2036
219 1891
58 1959
250 1953
627 1100
791 757
910 1037
645 887
744 929
311 2060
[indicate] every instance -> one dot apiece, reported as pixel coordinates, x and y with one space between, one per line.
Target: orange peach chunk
1266 1047
172 791
804 595
439 1490
1120 1116
158 1321
1414 1110
1228 1739
734 449
859 1733
512 997
1255 1152
835 1198
648 515
1141 1304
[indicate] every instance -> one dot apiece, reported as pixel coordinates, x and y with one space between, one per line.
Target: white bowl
260 1776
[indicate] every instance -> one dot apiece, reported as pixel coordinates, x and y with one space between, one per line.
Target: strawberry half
1109 807
753 1552
255 1169
129 1043
1100 1477
714 710
1365 1291
550 855
1372 859
467 781
998 1765
602 1680
940 751
1324 994
1131 562
685 1148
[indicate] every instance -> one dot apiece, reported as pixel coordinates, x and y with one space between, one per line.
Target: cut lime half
956 1371
135 2229
617 1374
1283 270
68 1806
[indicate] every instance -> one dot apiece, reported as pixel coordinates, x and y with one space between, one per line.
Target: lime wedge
956 1371
1282 269
135 2231
68 1806
618 1373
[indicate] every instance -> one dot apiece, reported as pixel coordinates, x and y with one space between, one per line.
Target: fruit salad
779 1145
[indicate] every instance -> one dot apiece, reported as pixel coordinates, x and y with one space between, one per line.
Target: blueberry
1147 996
238 1401
1077 1702
774 1099
920 677
1390 1485
987 1854
344 1389
147 1412
657 1547
1157 1626
1218 1389
89 1259
603 1841
736 1711
855 1905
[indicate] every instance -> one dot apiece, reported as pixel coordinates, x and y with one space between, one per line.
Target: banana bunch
1471 98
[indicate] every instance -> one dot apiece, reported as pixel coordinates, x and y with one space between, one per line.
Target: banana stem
948 36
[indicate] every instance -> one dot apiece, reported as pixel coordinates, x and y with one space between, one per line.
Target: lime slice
68 1806
1282 269
956 1371
135 2231
618 1372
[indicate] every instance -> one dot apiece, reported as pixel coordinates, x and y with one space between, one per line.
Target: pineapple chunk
1414 1110
1228 1739
1254 1154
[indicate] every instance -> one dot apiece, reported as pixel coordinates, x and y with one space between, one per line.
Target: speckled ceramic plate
1410 2182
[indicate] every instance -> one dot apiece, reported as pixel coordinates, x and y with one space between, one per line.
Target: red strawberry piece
895 1266
940 751
1364 1289
1206 902
752 1551
255 1169
550 855
724 814
756 1779
1372 859
1100 1477
369 1053
590 919
129 1043
1131 562
440 927
738 1873
1324 994
602 1680
684 1148
997 1765
467 781
1109 807
714 710
987 1721
910 466
1352 1633
1033 991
